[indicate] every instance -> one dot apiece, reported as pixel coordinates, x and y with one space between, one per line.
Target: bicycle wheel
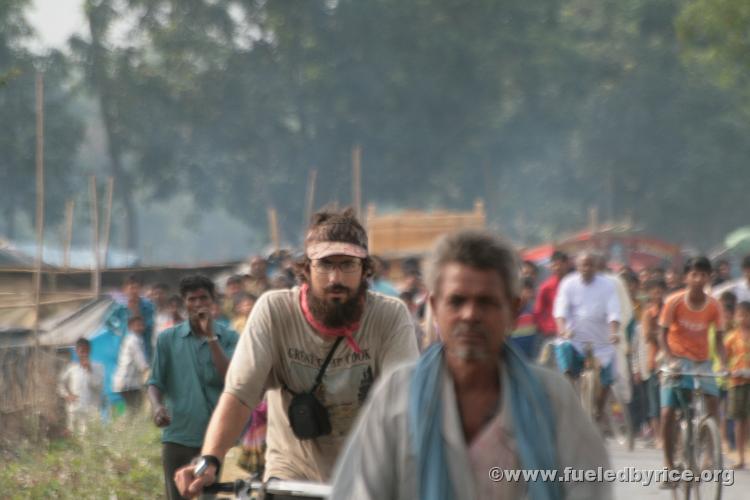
682 458
587 392
546 356
707 458
619 422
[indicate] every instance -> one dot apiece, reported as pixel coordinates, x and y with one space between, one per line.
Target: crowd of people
325 371
683 319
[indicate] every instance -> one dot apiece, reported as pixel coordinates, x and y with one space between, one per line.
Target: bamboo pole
39 198
521 221
70 206
108 218
95 275
273 228
51 302
312 179
593 219
357 179
371 214
39 242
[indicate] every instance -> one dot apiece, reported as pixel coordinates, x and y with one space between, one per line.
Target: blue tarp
105 347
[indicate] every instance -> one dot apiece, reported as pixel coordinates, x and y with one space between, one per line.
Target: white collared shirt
587 309
84 384
131 364
742 291
378 460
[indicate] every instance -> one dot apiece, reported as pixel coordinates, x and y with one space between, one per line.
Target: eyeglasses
346 267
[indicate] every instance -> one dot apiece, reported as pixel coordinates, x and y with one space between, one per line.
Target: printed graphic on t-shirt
345 384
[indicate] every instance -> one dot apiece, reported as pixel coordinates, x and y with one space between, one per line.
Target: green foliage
715 35
542 108
657 137
121 461
17 114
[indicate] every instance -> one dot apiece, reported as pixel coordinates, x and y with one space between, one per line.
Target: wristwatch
203 462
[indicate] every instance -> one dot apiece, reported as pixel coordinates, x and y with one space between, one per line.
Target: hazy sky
56 20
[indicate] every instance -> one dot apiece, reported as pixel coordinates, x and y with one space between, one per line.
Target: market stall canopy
85 322
623 247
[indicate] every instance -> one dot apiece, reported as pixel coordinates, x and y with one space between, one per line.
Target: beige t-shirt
278 347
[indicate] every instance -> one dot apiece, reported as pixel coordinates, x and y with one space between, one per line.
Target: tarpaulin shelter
99 322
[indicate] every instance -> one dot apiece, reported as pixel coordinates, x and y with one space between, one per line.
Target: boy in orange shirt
685 321
737 346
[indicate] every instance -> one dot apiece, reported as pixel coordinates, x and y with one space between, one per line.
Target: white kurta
622 370
86 386
587 309
131 364
378 462
742 291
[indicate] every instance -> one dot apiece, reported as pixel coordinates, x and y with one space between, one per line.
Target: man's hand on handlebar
190 485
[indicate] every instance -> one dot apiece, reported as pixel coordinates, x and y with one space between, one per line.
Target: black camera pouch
307 416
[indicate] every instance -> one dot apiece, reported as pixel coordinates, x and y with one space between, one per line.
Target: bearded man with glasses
317 348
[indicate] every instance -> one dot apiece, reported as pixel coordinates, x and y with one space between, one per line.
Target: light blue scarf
533 422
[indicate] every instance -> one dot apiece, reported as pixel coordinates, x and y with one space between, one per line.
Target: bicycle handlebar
721 374
233 487
694 374
590 343
304 489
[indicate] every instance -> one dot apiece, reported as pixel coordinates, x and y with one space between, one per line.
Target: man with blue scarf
444 427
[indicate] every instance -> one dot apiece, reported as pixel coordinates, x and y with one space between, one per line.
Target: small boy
648 351
728 301
737 346
132 366
81 385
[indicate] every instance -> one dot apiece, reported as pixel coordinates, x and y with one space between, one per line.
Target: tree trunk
103 86
10 224
122 181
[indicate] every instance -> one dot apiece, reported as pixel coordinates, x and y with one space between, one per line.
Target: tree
63 131
714 36
543 108
658 138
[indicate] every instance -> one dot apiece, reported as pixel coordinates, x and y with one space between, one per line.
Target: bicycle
273 489
696 452
615 420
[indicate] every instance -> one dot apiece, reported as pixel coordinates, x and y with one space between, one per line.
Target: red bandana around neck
345 331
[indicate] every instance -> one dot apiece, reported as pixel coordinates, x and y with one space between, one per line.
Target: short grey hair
600 260
479 249
589 254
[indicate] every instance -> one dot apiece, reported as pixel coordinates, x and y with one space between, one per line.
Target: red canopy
621 247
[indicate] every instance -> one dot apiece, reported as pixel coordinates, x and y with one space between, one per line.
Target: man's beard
470 352
337 314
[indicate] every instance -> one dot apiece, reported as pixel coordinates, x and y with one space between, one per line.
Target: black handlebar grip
219 488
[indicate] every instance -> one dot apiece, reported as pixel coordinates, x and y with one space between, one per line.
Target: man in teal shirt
187 377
